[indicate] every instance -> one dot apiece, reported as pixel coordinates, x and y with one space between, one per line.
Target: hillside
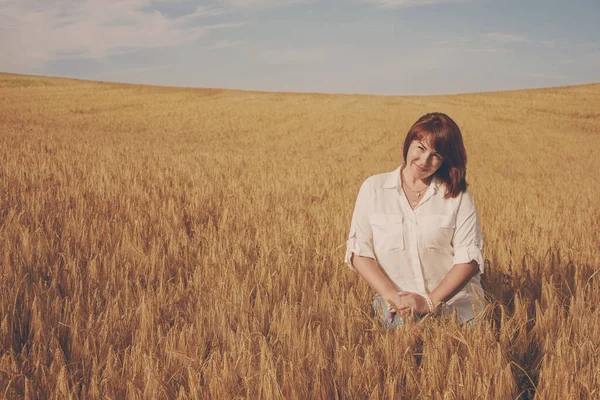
189 243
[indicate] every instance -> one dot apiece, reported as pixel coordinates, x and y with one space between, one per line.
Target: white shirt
417 248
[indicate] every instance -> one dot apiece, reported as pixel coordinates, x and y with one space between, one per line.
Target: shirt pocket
437 233
387 232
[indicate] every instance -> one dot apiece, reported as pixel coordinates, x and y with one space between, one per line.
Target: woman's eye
421 148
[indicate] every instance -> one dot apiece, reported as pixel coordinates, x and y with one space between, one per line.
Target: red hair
442 133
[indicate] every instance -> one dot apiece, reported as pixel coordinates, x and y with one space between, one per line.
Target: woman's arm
458 276
374 276
453 282
468 259
380 283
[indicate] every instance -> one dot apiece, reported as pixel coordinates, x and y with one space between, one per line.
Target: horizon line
59 77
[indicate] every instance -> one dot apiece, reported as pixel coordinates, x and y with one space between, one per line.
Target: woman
415 235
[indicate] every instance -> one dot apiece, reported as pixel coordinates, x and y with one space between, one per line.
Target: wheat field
188 243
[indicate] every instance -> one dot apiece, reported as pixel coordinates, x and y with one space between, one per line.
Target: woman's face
422 160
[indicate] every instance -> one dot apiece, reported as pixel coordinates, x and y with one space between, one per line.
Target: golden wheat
188 243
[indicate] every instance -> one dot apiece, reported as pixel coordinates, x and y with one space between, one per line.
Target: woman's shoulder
464 195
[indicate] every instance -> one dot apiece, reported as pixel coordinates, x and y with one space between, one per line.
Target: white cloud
592 58
135 71
410 3
204 11
549 44
567 61
505 37
458 44
487 50
538 75
259 3
294 55
36 32
221 44
452 41
225 25
586 46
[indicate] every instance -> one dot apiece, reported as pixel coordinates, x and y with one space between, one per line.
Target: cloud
410 3
259 3
458 44
204 12
538 75
36 32
137 70
221 44
452 41
505 37
587 46
225 25
294 55
487 50
549 44
592 58
568 61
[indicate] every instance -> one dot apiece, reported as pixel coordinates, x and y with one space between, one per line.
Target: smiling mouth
420 168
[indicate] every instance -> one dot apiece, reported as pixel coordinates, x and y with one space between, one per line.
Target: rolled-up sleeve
360 241
467 240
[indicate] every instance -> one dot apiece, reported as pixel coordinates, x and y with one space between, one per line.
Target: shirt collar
393 180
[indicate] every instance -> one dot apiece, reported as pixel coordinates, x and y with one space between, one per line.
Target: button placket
412 225
415 248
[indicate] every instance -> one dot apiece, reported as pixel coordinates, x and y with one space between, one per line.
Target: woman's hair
442 133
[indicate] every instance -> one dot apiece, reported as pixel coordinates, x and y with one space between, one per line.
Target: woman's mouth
422 169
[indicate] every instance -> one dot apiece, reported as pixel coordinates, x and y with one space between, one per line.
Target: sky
390 47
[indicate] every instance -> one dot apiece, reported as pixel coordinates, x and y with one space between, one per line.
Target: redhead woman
415 235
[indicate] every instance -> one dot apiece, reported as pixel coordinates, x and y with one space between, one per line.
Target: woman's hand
408 302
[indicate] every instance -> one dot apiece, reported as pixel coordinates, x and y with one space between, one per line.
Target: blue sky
334 46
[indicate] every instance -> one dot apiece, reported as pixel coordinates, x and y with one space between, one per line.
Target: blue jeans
380 308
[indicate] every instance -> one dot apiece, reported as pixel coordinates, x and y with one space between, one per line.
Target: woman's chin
419 173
